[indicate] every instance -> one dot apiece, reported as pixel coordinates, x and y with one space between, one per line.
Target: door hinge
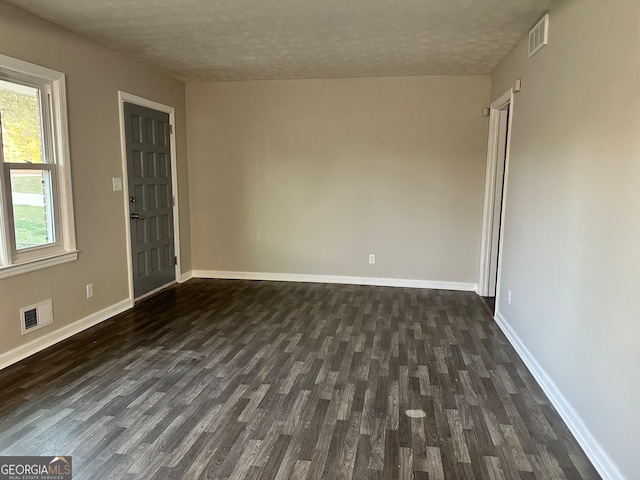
170 129
175 260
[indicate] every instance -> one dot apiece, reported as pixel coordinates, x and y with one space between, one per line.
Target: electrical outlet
372 258
509 296
90 290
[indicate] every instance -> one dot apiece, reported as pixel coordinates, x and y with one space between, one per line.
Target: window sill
37 264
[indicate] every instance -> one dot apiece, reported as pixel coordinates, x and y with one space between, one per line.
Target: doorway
149 187
495 198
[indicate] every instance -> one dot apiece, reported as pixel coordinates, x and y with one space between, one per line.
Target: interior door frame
144 102
504 102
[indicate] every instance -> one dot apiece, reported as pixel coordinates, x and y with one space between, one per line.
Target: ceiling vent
539 36
36 316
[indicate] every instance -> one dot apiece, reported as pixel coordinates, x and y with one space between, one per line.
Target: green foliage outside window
21 139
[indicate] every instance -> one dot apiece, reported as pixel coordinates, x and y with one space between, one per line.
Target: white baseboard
186 276
39 344
601 460
373 281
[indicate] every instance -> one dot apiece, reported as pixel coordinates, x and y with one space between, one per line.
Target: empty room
319 240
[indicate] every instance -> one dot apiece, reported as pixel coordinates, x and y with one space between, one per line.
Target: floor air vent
36 316
539 36
30 318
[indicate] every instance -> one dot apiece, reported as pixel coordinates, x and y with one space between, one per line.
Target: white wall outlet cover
117 184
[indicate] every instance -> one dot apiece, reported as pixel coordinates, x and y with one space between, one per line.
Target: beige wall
310 176
571 255
94 76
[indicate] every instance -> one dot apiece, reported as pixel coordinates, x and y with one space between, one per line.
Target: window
36 215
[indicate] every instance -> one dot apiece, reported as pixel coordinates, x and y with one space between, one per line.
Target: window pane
21 135
32 212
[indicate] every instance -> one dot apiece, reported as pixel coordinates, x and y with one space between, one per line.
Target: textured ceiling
278 39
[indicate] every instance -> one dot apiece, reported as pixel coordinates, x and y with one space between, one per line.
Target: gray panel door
151 198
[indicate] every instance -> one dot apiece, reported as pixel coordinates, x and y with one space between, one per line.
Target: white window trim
65 248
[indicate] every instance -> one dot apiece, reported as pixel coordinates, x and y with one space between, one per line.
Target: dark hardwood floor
265 380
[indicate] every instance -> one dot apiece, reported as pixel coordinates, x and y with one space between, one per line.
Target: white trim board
186 276
601 460
503 102
373 281
39 344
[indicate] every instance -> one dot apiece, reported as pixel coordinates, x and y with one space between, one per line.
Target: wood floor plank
222 379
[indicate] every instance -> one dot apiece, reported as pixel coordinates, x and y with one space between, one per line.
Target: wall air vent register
539 36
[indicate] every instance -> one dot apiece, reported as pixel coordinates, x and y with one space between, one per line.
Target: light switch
117 184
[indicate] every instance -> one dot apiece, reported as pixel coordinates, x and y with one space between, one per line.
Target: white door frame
144 102
502 103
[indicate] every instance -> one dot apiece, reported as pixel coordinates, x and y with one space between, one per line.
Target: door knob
135 216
